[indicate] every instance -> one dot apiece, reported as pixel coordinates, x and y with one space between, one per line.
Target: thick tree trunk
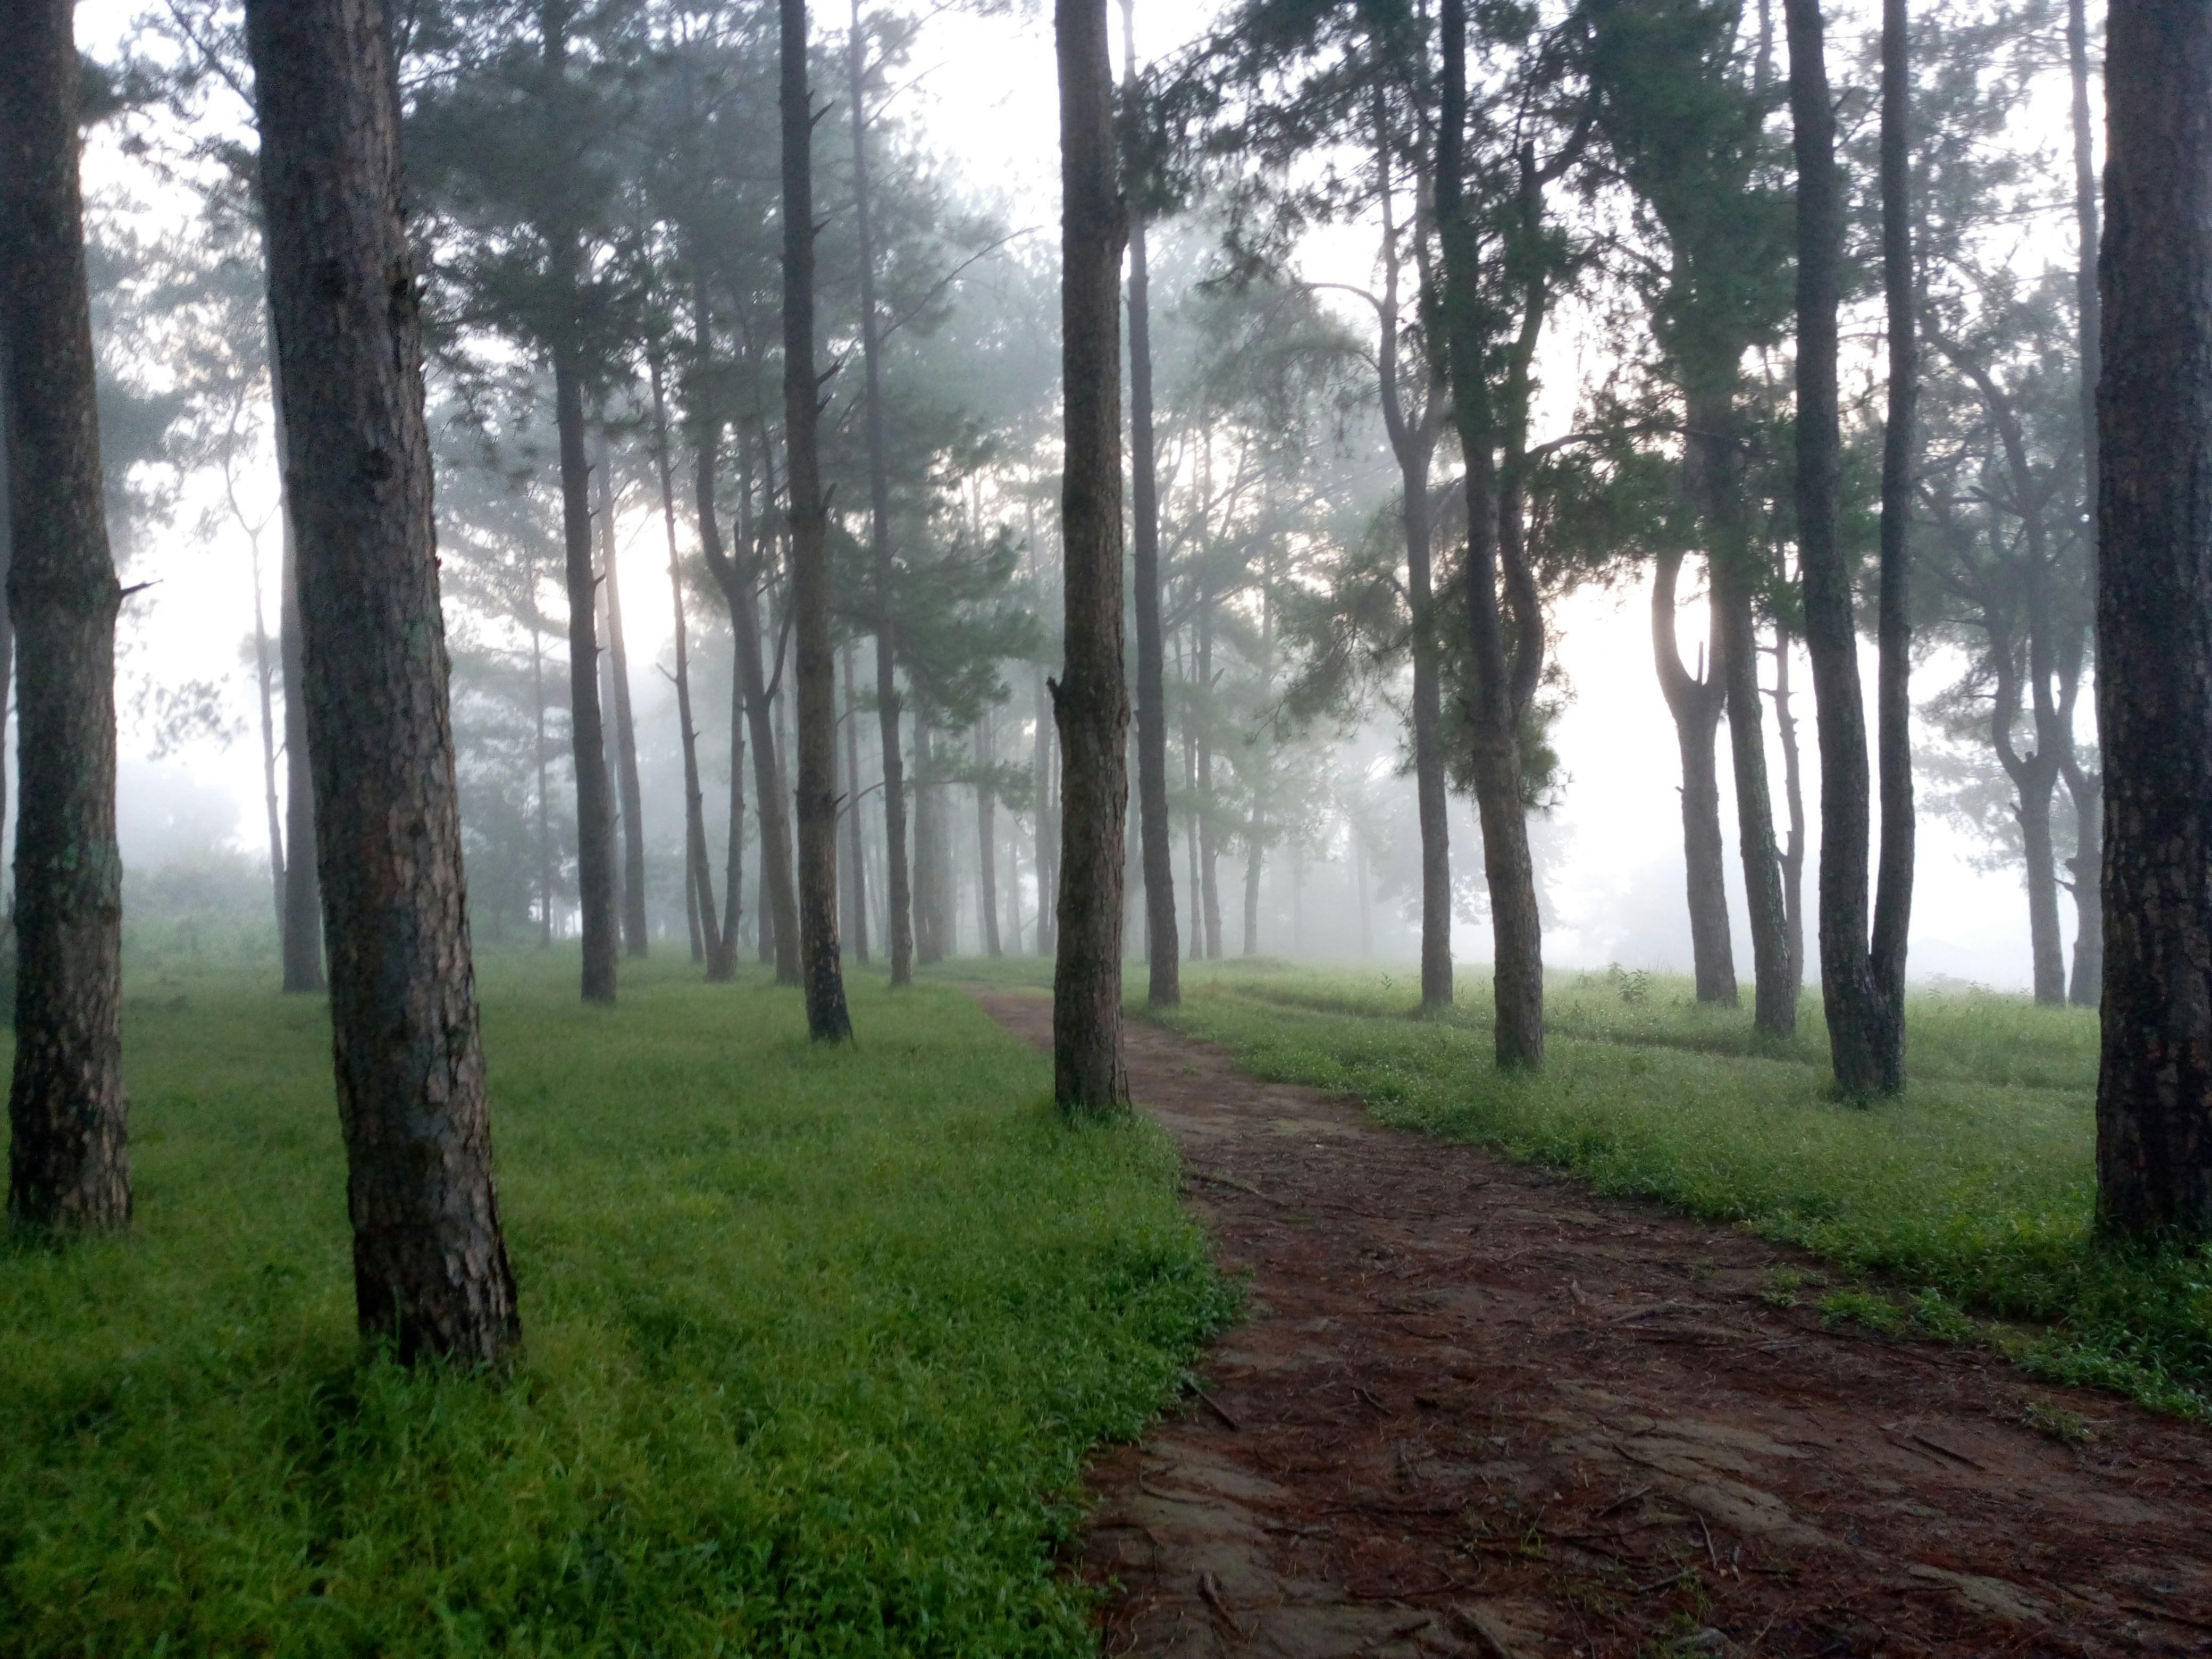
1162 948
1847 986
595 816
303 891
1090 700
1694 703
1893 896
897 879
2154 625
1516 929
68 1165
828 1019
635 939
2045 950
855 853
1254 854
430 1266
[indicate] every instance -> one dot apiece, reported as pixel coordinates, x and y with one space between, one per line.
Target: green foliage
817 1341
1970 1197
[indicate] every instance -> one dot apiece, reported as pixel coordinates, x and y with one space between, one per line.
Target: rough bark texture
636 937
69 1163
430 1266
897 881
986 841
1893 896
1163 946
1846 975
302 943
1766 880
1090 700
1694 702
2154 624
826 1017
1517 931
2087 790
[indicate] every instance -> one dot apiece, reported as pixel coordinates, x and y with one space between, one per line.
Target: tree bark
2088 807
733 846
1516 929
68 1165
430 1265
1090 700
1846 975
635 938
1209 849
1694 703
1162 947
1892 896
303 891
1792 860
1047 830
897 880
2154 625
828 1019
544 770
856 857
265 674
987 841
1768 882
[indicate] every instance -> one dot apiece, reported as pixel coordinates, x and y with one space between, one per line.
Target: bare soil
1477 1409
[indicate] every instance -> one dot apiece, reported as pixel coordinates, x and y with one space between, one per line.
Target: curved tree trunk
2154 626
1694 703
1090 700
827 1020
69 1163
430 1266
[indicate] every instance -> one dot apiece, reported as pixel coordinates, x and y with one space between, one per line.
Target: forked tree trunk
69 1163
1694 703
1516 929
897 879
1090 700
2154 625
430 1266
635 938
1163 949
828 1019
1847 986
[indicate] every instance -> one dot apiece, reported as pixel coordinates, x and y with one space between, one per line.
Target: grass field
816 1343
1968 1198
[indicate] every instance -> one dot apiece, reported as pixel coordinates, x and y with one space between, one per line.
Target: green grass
816 1343
1969 1194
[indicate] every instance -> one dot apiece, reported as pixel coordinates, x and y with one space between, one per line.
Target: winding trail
1476 1409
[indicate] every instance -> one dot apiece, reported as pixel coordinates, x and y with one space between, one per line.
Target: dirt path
1477 1410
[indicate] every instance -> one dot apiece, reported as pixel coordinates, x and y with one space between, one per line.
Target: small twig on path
1661 1583
1626 1498
1230 1182
1209 1588
1711 1553
1959 1457
1216 1408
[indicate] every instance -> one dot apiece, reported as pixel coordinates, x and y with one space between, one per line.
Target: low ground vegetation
818 1340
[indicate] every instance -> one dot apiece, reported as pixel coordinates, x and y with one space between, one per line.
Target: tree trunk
1516 929
1209 851
778 906
69 1160
1162 948
827 1020
1846 975
1047 830
1090 700
1793 851
987 841
856 858
2154 625
2088 863
595 807
1768 887
430 1265
928 899
2046 953
545 768
733 847
897 881
1892 896
708 946
634 935
1694 703
265 674
303 891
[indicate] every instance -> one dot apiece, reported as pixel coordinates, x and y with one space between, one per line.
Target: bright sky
984 89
